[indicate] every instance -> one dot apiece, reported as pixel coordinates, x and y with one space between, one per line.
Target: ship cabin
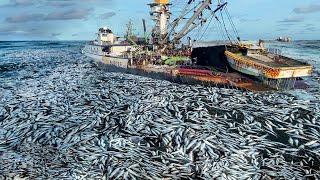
108 44
106 37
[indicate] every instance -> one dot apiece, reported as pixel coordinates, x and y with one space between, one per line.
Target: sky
80 19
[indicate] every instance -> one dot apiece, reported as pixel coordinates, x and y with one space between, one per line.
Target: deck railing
274 51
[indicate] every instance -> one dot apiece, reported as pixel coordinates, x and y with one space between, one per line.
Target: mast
129 32
161 15
166 36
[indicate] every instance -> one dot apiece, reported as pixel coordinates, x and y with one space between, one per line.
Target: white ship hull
93 56
245 70
100 57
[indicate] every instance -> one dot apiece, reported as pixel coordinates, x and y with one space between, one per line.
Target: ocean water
308 51
61 117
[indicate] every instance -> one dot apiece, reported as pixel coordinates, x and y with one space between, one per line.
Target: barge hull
253 67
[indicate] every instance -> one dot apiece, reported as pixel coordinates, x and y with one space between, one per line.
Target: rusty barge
272 69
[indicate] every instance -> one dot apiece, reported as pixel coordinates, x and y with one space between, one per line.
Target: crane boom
167 35
190 24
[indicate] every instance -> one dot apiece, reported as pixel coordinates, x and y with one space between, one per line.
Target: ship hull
243 69
115 61
116 64
96 58
105 59
109 60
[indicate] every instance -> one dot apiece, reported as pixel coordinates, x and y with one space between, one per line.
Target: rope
232 24
198 35
222 32
186 11
207 27
226 30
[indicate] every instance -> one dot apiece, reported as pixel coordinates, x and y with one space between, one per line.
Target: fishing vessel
170 51
284 39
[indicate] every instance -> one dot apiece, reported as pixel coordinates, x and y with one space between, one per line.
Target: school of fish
61 117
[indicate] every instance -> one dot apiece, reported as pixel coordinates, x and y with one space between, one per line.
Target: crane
166 34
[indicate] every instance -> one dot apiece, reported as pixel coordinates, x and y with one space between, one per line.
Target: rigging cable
222 32
232 24
211 16
224 25
182 16
201 28
207 26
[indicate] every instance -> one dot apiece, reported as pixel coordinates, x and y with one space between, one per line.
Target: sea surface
61 117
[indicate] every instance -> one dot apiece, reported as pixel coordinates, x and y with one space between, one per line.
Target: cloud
282 29
308 25
9 30
307 9
18 3
107 15
22 2
77 13
311 29
72 14
60 4
292 20
249 20
24 18
74 35
286 24
42 31
56 3
55 34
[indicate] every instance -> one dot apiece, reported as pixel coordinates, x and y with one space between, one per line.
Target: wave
12 66
309 44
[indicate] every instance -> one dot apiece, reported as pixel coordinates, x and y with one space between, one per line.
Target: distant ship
165 53
284 39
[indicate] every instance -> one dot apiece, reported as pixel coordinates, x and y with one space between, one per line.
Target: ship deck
275 61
